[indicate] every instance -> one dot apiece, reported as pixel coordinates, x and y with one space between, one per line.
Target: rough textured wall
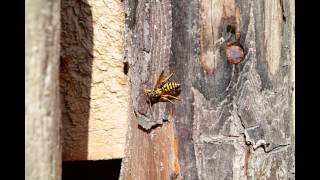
42 110
94 86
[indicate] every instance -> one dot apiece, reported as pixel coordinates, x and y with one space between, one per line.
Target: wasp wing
159 81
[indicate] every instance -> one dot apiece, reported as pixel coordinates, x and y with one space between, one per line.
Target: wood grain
152 149
151 37
42 108
234 107
234 121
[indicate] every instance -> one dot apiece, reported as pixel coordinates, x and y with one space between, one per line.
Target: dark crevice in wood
231 29
125 67
151 128
262 145
283 12
246 160
275 148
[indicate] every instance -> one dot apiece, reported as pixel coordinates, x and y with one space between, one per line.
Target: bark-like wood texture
152 149
234 121
94 86
42 112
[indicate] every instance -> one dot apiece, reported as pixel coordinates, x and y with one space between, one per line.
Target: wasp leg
150 106
173 97
166 99
151 112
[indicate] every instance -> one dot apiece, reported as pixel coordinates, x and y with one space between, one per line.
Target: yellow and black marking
170 86
163 90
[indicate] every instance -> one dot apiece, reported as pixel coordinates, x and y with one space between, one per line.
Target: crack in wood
282 11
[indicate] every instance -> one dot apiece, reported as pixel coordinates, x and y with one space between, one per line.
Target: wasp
163 90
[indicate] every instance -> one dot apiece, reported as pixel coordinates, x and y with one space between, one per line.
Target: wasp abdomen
167 87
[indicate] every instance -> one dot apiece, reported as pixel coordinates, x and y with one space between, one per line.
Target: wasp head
148 92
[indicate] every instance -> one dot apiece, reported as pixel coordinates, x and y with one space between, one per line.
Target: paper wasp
163 90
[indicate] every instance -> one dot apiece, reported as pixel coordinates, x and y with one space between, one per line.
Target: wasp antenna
166 79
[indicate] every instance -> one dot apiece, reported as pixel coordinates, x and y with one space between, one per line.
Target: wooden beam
42 146
152 149
235 121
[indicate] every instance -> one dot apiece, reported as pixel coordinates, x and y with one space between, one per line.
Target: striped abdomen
170 86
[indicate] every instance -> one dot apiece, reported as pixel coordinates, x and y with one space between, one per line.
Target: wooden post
42 146
152 146
235 121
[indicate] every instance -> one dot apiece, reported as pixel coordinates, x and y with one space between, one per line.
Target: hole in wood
125 67
231 29
98 170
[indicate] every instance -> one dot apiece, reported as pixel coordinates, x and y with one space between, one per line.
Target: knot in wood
234 53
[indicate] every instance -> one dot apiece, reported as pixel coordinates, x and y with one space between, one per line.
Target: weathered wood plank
233 110
152 145
234 121
152 155
150 37
42 140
